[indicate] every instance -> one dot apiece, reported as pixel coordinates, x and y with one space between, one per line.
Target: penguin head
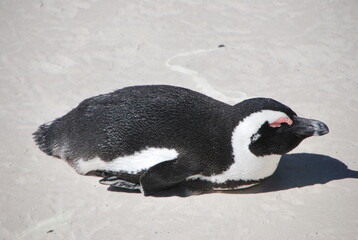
271 128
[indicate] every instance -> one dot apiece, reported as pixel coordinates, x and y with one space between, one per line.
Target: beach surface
54 54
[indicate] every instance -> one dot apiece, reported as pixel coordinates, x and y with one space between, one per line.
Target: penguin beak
309 127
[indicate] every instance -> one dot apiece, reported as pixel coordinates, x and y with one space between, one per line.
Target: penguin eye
280 121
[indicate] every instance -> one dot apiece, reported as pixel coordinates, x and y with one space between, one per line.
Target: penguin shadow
302 170
294 171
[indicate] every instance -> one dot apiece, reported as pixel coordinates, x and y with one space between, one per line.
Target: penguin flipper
115 181
165 175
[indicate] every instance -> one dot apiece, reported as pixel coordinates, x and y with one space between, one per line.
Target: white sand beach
54 54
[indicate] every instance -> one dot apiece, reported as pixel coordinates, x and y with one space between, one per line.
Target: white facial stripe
131 164
247 166
251 124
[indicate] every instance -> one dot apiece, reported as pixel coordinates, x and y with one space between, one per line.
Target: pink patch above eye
281 120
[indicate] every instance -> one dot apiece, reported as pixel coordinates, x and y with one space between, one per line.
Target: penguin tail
41 137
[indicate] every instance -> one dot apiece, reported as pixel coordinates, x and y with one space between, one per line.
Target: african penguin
155 137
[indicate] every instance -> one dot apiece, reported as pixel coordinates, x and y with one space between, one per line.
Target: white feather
131 164
246 165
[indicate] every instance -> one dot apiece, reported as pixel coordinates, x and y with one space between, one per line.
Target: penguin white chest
250 167
246 167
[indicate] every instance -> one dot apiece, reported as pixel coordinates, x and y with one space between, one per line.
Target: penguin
156 137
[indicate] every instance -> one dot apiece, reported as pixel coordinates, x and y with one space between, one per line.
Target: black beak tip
320 129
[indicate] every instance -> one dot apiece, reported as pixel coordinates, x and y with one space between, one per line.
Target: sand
54 54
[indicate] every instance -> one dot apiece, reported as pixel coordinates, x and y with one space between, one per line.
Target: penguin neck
247 165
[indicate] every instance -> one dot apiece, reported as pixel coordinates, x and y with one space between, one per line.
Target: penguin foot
114 181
